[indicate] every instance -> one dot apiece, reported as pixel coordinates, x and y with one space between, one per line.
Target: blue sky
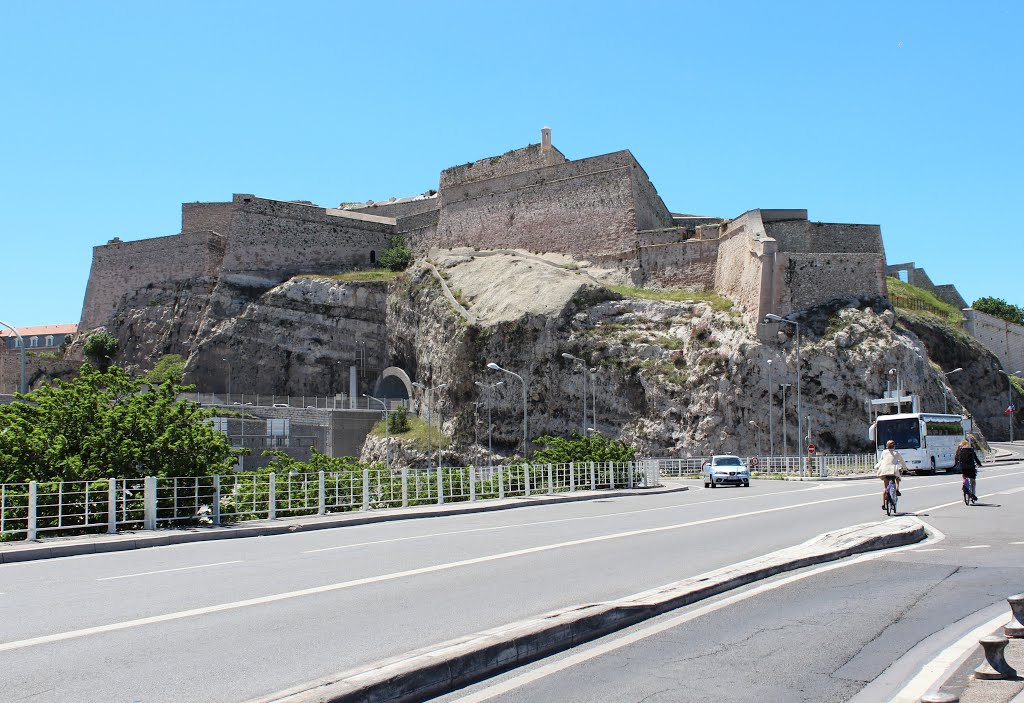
902 114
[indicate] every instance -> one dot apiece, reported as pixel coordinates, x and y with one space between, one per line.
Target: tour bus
927 441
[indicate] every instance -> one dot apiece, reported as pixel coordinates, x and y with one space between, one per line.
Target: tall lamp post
945 393
785 422
570 357
593 394
490 403
494 367
21 345
1009 397
799 411
771 411
430 404
758 428
387 431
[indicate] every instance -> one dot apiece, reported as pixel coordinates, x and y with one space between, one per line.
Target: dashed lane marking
978 546
166 571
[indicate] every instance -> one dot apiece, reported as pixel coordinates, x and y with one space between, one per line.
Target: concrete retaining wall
1002 338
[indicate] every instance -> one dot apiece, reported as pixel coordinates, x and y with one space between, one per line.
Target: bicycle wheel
890 504
967 496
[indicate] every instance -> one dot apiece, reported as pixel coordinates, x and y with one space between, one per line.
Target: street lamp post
785 421
945 394
771 411
593 393
758 428
387 431
570 357
495 367
490 403
799 411
1009 398
430 404
21 345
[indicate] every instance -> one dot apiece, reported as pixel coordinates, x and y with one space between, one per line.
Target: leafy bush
597 447
398 421
100 349
170 366
396 257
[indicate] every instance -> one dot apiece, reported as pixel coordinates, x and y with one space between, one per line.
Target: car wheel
933 466
746 484
712 483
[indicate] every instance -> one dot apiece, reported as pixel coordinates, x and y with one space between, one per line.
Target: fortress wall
275 240
577 213
516 161
669 235
806 280
801 236
741 270
418 221
690 264
122 268
949 293
399 209
1002 338
651 212
206 217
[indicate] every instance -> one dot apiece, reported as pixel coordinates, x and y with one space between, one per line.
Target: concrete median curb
16 552
442 668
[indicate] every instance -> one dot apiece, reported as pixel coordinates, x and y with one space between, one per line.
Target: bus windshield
906 433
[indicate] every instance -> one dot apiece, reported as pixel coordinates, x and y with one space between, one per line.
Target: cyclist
889 468
967 459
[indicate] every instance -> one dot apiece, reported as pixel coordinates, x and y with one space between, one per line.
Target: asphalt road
859 630
231 620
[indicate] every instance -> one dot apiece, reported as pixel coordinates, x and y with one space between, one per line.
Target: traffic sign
810 449
753 462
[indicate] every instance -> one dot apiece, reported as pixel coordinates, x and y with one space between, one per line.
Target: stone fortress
601 210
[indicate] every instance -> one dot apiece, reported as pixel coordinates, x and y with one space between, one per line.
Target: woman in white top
889 468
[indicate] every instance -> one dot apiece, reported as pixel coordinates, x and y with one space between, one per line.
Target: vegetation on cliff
907 297
597 447
998 307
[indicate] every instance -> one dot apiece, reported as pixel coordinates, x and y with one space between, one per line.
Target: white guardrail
818 466
28 509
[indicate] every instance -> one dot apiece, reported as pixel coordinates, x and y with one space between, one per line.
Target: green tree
100 349
103 424
597 447
1001 309
396 257
398 421
170 366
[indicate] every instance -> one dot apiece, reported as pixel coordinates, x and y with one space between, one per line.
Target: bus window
906 433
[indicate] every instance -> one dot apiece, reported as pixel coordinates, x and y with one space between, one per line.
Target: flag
1009 410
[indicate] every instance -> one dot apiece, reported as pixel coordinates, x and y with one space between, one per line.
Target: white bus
927 441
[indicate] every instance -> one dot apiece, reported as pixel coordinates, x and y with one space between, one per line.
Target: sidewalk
52 547
973 690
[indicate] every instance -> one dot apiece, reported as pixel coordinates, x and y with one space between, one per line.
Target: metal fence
29 509
817 466
265 400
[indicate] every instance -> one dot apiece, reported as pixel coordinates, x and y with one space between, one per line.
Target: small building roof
41 330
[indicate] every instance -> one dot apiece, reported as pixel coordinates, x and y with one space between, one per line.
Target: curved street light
1009 398
945 393
387 431
21 344
490 402
570 357
494 367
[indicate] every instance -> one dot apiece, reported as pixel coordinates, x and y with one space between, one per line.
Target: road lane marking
1016 542
606 515
327 588
1010 491
978 546
609 646
935 549
166 571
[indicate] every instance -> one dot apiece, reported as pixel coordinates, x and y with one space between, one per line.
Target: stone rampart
650 210
802 236
741 272
272 240
919 277
203 217
804 280
516 161
119 269
38 370
403 207
1002 338
690 264
668 235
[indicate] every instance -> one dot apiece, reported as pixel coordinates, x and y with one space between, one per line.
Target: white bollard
440 486
366 489
551 485
30 528
272 497
501 481
572 477
149 503
112 507
472 484
321 493
216 499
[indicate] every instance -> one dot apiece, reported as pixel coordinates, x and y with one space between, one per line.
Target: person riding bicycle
889 468
967 459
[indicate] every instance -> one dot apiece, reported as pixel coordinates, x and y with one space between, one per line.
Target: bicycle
969 497
890 498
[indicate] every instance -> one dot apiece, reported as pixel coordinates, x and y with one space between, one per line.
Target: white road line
933 672
1010 491
316 590
978 546
657 628
1016 542
166 571
937 549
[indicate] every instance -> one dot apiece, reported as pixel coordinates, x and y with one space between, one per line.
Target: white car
725 470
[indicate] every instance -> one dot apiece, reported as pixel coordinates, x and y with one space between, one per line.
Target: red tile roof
40 330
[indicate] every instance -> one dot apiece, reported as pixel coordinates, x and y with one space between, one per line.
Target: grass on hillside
905 296
356 276
417 434
716 301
